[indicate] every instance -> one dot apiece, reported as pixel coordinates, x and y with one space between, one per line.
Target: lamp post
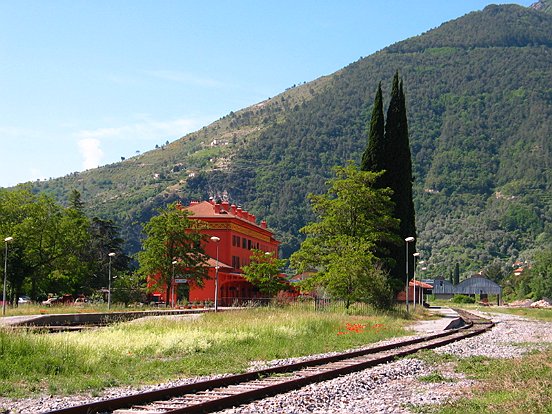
216 240
109 282
407 240
422 262
172 283
6 240
416 255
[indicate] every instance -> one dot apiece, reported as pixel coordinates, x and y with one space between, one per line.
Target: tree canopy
353 217
172 237
264 271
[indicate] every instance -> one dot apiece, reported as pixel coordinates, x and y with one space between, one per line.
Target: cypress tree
405 204
389 149
373 156
456 273
398 176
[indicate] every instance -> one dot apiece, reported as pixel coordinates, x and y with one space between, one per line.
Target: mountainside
479 100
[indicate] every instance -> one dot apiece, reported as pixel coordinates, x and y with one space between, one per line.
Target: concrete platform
447 319
93 318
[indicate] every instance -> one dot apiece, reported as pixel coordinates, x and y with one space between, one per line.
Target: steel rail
216 394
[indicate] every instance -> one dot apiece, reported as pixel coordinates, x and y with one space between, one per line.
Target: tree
353 218
47 246
388 152
172 236
264 271
129 288
541 275
75 200
456 273
104 239
373 155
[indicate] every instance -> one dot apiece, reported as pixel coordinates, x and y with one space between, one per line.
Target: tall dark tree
75 200
456 273
373 157
105 239
389 151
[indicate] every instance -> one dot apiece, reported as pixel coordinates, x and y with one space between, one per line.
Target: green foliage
479 108
56 249
541 275
264 271
172 243
373 157
462 299
129 288
48 243
388 151
353 218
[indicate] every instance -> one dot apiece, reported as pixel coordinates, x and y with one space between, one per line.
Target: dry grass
155 350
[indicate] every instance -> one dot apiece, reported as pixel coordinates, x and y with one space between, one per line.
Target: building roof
210 209
213 263
478 284
421 284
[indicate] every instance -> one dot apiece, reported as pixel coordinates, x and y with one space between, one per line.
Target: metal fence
302 303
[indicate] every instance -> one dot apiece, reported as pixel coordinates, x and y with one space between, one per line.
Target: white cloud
184 77
146 130
91 152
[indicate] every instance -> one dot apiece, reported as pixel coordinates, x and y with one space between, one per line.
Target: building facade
238 234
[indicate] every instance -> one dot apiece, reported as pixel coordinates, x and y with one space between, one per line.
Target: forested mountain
479 102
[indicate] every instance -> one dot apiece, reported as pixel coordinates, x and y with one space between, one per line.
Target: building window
244 243
235 262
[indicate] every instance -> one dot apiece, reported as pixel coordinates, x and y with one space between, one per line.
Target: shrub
462 299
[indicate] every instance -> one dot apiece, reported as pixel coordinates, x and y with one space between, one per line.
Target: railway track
217 394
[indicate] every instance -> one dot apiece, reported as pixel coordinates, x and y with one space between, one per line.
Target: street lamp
407 240
109 286
6 240
216 240
172 282
416 255
423 268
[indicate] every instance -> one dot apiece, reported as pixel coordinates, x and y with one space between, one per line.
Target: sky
84 83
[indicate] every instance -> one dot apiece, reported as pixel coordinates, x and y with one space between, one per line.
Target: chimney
226 205
263 224
239 211
217 208
233 209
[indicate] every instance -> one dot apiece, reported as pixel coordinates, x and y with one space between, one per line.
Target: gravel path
389 389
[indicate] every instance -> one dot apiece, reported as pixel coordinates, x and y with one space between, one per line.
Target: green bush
462 299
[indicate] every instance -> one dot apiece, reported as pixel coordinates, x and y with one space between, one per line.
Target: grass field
156 349
512 386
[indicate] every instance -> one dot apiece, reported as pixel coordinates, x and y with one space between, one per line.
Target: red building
238 234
